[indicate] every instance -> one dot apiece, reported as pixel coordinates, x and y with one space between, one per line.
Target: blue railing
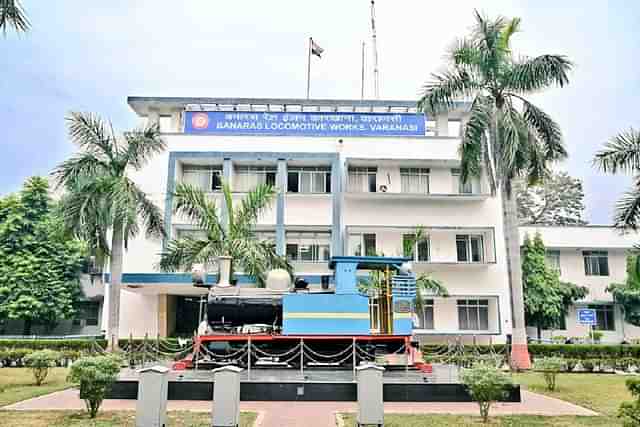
404 285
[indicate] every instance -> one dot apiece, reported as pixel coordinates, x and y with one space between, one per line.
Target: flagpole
309 67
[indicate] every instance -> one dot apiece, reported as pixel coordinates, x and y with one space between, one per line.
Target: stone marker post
151 407
370 399
226 397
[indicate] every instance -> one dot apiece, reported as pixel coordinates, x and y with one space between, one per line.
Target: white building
594 257
345 191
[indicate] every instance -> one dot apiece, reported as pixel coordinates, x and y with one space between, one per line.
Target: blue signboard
304 124
587 316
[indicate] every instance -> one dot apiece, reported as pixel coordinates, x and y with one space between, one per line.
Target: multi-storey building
594 257
355 177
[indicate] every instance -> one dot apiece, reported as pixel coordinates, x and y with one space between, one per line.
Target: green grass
107 419
602 393
17 384
401 420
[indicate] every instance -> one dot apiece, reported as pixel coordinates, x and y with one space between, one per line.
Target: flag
315 49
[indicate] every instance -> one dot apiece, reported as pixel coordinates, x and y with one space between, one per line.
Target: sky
90 58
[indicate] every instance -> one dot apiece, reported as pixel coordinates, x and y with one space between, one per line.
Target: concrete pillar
176 121
281 184
370 395
442 124
226 397
337 246
151 405
153 118
162 315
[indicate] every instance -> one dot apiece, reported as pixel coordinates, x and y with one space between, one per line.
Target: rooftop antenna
376 87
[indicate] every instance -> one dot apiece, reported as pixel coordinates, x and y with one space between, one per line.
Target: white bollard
151 407
226 397
370 399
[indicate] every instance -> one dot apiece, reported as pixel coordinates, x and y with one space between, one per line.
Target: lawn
17 384
107 419
601 393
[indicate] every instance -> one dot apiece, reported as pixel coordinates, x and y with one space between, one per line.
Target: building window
425 316
471 186
89 312
362 244
418 250
552 257
414 180
309 180
374 315
605 317
206 178
249 177
469 248
596 263
362 179
308 247
473 314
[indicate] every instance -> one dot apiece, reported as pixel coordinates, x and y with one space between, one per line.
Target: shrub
588 365
486 384
597 336
94 375
550 367
630 411
571 364
39 362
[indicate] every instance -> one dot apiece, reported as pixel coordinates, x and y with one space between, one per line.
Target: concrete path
315 414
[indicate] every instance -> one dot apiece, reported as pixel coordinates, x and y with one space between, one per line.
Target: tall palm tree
505 135
621 154
230 235
12 15
101 198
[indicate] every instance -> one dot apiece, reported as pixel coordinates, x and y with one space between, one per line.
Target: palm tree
621 154
101 197
505 134
12 15
233 237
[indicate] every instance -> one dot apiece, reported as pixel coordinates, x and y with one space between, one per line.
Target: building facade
355 178
594 257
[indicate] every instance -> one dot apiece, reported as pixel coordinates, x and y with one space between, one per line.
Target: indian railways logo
200 121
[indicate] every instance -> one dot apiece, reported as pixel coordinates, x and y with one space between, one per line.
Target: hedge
13 351
569 351
74 344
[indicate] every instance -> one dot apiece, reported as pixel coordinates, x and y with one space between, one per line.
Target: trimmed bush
39 362
94 375
486 384
630 411
550 367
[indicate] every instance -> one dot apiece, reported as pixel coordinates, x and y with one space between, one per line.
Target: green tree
101 198
40 362
629 412
12 15
558 200
546 298
621 154
94 375
225 233
505 135
627 294
39 265
426 284
486 384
